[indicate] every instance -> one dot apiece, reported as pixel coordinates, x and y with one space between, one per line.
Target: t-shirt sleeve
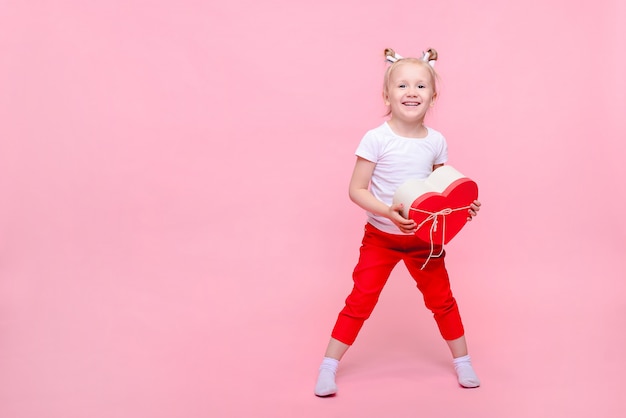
368 148
442 156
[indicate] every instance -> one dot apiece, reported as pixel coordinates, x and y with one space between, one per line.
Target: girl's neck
408 130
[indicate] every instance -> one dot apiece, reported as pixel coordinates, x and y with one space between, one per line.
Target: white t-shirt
398 159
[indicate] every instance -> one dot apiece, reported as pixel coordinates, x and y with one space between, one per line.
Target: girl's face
410 92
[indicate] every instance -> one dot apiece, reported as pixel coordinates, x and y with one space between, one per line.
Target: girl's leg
369 282
376 262
458 347
336 349
434 284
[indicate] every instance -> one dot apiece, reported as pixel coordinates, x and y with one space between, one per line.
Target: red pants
379 254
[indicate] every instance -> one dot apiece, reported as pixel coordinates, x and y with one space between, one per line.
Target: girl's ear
386 99
433 100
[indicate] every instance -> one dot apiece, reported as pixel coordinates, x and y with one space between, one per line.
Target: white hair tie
426 58
394 58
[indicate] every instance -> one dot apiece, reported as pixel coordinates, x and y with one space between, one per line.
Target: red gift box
438 204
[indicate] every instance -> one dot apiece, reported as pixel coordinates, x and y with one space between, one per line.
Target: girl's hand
473 210
407 226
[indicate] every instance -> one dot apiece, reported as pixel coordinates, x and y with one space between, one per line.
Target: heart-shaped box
438 204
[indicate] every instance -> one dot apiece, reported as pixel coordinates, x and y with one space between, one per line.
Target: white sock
325 385
465 372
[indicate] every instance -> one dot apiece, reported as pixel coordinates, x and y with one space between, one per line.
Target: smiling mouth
413 104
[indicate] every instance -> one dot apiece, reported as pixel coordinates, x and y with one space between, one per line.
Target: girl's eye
421 86
402 86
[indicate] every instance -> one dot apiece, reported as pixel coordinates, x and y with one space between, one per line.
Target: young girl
400 149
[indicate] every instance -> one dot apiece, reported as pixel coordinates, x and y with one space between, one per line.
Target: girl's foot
465 372
326 385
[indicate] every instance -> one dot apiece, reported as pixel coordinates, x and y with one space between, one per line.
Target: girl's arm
360 194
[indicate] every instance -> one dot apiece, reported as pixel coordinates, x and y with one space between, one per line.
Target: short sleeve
442 155
369 147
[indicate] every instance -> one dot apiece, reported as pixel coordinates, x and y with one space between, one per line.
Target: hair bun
432 54
390 53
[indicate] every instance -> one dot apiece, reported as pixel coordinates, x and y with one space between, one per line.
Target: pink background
176 238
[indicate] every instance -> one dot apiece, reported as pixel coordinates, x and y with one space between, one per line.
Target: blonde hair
390 54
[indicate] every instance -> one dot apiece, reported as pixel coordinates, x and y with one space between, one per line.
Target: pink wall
175 232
